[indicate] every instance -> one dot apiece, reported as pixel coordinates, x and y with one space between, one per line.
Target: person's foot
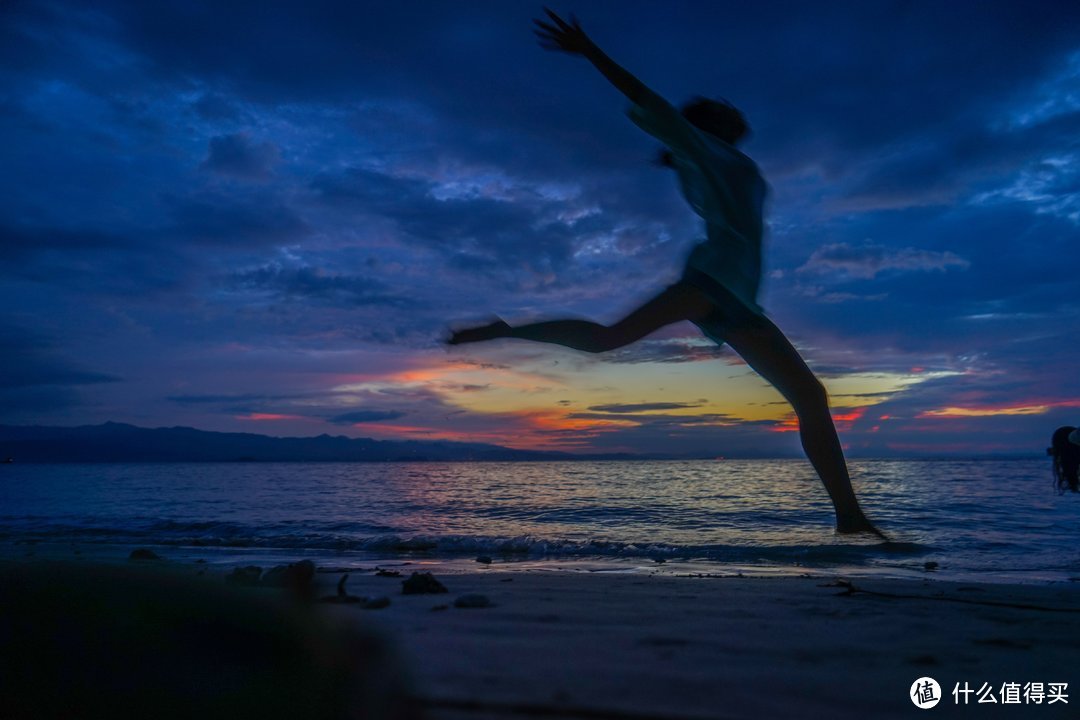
858 524
491 331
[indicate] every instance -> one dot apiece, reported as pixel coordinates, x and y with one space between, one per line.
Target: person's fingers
548 28
558 20
546 41
545 38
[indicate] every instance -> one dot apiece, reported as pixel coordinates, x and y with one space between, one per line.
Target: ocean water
991 520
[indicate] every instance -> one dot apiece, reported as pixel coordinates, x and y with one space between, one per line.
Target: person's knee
810 396
604 338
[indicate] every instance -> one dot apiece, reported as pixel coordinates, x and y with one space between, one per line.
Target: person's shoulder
733 157
728 150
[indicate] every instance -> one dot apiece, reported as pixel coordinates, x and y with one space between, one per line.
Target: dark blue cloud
30 358
307 283
215 399
365 416
232 220
39 377
238 155
675 350
332 176
17 243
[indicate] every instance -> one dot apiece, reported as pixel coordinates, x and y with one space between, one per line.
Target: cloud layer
227 214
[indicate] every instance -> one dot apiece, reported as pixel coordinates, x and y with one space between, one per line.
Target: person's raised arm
651 112
568 37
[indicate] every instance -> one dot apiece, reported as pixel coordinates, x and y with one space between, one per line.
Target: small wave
284 537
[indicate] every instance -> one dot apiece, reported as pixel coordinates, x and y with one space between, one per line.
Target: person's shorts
729 309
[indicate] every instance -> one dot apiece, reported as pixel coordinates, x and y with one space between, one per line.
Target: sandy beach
635 645
626 645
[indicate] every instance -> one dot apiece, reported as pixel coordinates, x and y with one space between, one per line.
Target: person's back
721 184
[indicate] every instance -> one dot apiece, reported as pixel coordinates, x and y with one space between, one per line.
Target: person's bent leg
482 333
677 302
765 348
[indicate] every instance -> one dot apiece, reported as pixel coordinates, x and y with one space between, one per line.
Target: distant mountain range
118 442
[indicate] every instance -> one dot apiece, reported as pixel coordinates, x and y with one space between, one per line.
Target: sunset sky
265 217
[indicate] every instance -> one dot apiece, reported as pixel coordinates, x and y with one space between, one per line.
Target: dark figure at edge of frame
719 286
1066 453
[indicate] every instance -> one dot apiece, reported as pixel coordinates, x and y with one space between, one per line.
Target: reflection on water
998 518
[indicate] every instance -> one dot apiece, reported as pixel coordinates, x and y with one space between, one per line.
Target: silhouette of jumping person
718 289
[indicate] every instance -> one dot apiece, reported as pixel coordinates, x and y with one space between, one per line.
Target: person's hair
718 118
1066 460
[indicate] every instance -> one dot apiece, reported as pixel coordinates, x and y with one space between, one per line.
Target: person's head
1066 456
716 117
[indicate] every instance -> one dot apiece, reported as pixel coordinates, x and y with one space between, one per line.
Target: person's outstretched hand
563 36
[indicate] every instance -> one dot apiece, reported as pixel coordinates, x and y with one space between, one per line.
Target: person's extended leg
765 348
677 302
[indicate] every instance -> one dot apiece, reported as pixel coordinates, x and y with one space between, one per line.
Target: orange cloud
843 420
788 424
558 422
263 417
428 374
430 433
524 429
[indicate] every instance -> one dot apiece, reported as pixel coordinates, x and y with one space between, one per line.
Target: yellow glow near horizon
866 389
952 412
556 399
704 387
